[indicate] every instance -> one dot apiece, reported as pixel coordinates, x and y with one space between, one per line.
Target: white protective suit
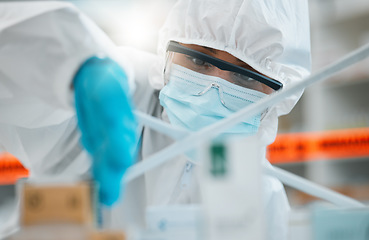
43 44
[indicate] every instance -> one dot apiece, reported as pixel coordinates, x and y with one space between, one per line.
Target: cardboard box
107 235
71 203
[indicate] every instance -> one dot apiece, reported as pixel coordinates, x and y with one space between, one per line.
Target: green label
218 166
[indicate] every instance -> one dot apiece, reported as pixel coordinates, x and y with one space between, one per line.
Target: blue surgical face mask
193 101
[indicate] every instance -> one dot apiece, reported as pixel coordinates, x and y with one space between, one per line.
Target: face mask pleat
193 101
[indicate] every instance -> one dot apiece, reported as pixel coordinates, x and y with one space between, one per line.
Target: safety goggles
212 66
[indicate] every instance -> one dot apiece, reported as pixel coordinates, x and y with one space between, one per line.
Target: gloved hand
107 123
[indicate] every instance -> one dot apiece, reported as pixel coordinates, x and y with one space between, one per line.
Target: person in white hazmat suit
224 53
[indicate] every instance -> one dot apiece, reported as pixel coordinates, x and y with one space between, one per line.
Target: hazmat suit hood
272 37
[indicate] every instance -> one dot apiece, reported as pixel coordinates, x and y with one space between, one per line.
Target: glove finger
109 182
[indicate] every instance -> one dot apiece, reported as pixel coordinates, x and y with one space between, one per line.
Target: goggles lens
209 65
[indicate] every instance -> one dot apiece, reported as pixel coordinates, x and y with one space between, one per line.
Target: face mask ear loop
220 92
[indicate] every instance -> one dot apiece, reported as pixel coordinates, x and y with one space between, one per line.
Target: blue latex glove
107 123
